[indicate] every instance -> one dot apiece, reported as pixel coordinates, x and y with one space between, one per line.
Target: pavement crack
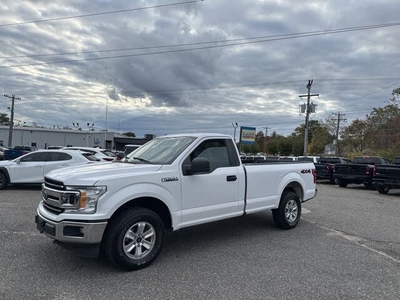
372 245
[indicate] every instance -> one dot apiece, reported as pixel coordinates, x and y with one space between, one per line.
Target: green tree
383 128
273 147
4 119
260 140
353 137
321 137
130 134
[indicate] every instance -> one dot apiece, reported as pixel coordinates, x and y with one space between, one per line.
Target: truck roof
198 135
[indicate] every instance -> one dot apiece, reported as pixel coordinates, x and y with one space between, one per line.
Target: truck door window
214 150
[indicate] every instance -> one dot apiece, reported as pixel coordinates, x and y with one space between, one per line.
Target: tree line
378 133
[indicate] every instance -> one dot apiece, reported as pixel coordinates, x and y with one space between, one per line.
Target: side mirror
17 161
199 165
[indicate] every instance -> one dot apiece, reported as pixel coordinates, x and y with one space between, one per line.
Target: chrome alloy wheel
291 211
139 240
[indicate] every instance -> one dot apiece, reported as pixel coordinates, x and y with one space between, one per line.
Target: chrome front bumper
70 231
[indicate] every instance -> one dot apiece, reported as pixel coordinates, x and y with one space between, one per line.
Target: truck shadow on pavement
180 245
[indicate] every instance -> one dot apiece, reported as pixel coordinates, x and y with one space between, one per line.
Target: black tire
342 183
134 222
3 181
382 189
288 214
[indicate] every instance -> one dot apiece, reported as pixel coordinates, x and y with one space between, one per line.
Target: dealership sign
247 135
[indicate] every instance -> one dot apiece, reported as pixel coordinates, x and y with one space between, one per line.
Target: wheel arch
5 172
296 188
151 203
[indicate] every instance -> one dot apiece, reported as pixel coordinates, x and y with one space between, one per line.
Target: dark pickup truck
387 177
326 165
361 170
17 152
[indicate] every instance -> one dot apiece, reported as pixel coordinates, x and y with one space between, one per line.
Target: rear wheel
287 215
342 182
3 181
133 240
382 189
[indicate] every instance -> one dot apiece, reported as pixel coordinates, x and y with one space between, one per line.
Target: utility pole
339 118
308 110
266 130
10 131
265 138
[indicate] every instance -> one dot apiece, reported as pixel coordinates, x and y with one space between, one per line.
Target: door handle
231 178
38 166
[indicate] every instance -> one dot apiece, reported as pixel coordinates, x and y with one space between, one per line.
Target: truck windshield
160 150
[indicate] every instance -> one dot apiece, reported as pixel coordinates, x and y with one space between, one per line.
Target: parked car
17 151
2 149
54 147
172 182
313 159
326 165
31 167
387 177
129 148
102 154
360 171
288 158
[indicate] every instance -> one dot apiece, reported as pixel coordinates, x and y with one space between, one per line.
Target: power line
262 38
100 13
293 35
283 37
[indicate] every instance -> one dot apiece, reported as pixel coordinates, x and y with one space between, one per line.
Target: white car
31 167
102 154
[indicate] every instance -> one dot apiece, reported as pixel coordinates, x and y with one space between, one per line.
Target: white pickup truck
123 209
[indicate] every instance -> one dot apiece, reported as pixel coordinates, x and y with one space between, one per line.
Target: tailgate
388 171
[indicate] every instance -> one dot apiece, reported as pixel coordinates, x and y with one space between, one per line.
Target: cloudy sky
174 66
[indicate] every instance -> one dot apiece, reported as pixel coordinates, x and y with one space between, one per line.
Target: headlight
82 200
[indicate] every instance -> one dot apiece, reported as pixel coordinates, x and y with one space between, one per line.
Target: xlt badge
165 179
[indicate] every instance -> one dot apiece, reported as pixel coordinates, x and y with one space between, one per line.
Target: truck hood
88 175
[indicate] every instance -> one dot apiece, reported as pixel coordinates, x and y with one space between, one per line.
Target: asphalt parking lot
345 247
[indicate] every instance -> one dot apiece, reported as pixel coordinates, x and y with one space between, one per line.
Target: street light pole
105 131
234 125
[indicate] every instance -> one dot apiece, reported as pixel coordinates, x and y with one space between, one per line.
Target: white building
44 137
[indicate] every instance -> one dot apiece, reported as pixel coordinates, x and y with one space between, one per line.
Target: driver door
29 168
212 196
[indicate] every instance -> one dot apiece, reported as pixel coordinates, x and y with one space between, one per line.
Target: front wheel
134 239
287 215
3 180
382 189
342 182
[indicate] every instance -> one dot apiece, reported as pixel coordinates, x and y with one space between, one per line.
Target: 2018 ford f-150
124 209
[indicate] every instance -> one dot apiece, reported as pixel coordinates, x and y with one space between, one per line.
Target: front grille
54 184
51 194
52 209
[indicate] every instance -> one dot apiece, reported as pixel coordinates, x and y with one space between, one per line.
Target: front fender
109 203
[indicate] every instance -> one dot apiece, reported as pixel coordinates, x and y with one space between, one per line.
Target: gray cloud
201 90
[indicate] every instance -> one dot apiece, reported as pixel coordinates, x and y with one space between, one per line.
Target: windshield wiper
142 160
